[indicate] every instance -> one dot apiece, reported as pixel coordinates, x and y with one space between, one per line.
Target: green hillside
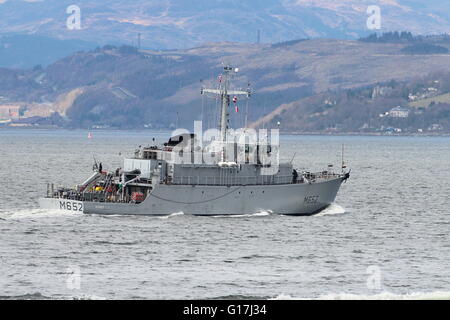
443 98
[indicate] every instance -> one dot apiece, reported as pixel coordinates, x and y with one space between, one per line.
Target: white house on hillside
399 112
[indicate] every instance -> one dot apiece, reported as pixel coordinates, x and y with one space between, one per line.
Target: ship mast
224 92
225 98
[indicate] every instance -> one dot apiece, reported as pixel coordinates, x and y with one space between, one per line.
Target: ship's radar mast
224 92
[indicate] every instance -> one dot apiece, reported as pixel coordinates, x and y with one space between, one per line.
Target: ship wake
261 213
175 214
36 213
332 209
435 295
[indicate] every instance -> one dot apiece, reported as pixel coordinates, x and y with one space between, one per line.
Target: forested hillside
123 87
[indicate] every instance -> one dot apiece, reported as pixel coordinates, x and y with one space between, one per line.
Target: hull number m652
71 206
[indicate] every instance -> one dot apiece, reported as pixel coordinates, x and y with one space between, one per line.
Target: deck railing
252 180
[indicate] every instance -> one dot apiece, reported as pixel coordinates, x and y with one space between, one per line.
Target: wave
435 295
175 214
332 209
40 296
237 297
261 213
37 213
129 243
86 297
27 296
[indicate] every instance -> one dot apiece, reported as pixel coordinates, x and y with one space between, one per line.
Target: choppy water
391 219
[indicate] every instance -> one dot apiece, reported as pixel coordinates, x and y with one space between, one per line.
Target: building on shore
9 112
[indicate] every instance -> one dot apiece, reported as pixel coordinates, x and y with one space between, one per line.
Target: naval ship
227 176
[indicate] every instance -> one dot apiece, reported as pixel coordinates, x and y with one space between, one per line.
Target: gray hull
289 199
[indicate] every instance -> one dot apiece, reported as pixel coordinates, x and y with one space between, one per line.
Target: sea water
385 237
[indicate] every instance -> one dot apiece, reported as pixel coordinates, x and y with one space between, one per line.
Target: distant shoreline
296 133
